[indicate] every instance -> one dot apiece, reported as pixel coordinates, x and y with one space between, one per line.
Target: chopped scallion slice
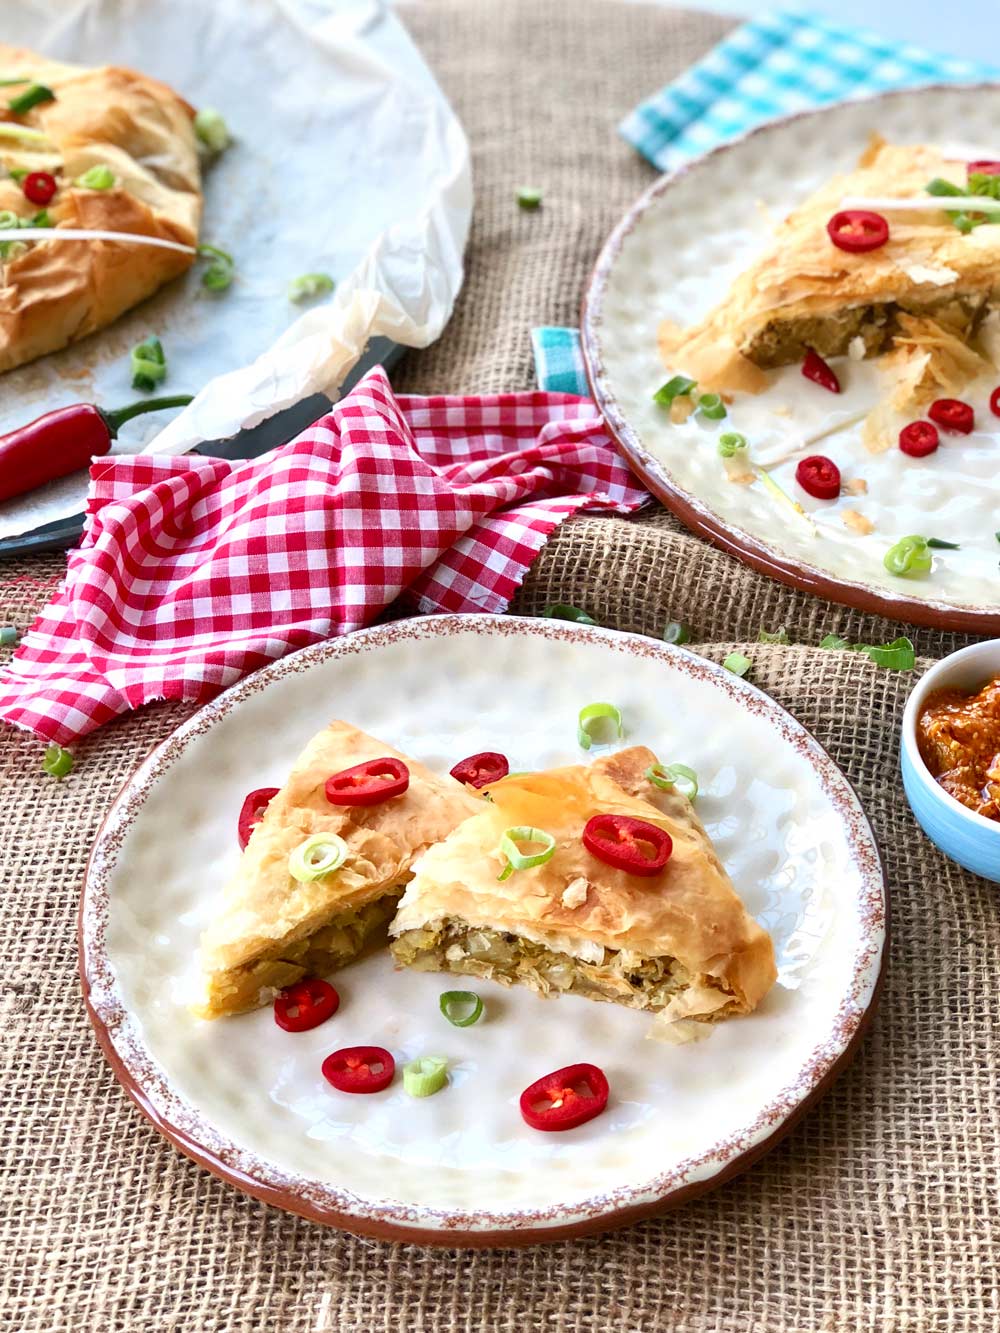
219 274
936 542
43 218
518 860
211 129
909 557
675 631
668 776
33 96
529 197
309 286
462 1008
939 186
149 365
57 762
731 444
737 664
596 713
563 611
678 387
18 174
777 636
321 854
100 177
425 1075
8 636
25 132
710 405
12 82
896 656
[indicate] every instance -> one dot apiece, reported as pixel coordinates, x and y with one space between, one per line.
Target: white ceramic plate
248 1100
675 254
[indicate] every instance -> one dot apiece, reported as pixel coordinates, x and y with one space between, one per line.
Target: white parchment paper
346 160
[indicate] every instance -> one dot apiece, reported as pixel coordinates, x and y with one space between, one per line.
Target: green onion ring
529 198
710 405
731 444
321 854
57 761
309 286
425 1076
455 1002
99 177
593 713
678 387
668 776
675 631
737 664
909 556
563 611
518 860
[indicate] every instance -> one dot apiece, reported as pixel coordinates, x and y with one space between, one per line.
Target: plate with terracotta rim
674 255
247 1100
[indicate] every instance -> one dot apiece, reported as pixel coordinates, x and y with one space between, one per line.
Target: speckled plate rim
186 1128
697 515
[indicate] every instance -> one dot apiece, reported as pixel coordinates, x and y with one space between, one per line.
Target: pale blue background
969 28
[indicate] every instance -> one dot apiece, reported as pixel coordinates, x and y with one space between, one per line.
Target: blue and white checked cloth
781 62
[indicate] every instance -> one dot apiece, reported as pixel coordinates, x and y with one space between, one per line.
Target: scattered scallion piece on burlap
529 197
563 611
57 761
773 636
675 631
9 635
737 664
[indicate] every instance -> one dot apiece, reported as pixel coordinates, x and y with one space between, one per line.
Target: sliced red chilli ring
565 1098
919 439
479 770
819 477
995 401
815 368
984 167
626 843
856 230
305 1005
252 811
39 187
369 783
953 415
359 1069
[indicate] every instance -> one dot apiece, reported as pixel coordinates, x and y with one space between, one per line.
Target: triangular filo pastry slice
680 942
271 930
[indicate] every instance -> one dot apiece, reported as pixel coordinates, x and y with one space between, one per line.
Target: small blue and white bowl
970 839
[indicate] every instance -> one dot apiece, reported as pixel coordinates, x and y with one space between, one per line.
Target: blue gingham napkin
782 61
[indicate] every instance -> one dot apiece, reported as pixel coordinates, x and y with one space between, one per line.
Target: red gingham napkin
194 571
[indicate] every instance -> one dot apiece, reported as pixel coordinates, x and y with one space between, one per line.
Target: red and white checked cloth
194 571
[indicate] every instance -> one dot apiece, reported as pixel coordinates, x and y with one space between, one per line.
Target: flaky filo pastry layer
58 292
270 930
680 942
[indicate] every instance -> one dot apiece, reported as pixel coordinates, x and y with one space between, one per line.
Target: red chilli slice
995 401
305 1005
985 167
39 187
815 368
479 770
919 439
622 841
565 1098
953 415
856 230
359 1069
252 811
369 783
819 477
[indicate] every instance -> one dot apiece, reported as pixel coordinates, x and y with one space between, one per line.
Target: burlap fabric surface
877 1213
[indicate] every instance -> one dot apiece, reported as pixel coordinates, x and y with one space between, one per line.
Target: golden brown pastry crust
927 266
264 909
56 293
690 911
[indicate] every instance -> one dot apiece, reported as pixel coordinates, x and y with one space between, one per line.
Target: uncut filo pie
678 941
273 927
